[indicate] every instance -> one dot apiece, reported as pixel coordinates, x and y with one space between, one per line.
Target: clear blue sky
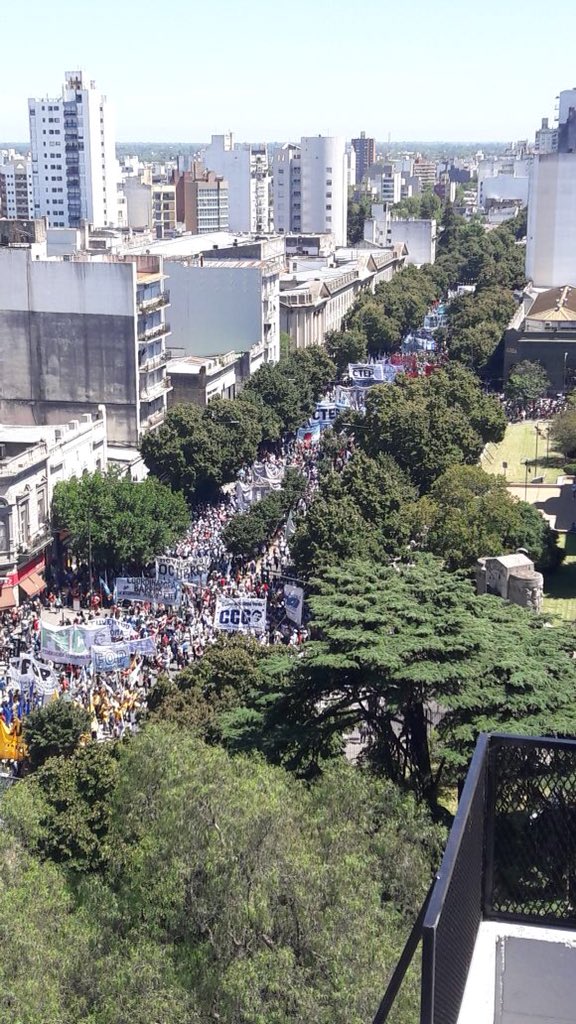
179 71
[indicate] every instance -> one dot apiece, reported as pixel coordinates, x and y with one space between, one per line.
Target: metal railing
153 332
510 856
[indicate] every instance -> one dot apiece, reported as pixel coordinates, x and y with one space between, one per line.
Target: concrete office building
74 171
79 332
33 460
16 196
365 150
245 167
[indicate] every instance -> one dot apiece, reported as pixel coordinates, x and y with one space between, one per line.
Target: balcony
155 302
153 332
15 465
498 928
156 390
154 419
153 363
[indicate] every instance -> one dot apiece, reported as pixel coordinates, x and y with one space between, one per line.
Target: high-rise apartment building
287 189
365 150
16 198
202 200
546 138
74 172
310 187
245 167
551 228
324 192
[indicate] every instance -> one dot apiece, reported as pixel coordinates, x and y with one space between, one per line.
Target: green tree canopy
54 730
124 523
527 381
470 514
396 642
346 347
563 431
430 423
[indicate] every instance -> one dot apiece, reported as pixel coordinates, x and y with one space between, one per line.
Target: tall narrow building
16 197
324 186
365 150
245 167
74 172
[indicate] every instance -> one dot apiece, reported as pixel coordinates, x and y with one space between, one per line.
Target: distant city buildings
365 150
16 195
72 142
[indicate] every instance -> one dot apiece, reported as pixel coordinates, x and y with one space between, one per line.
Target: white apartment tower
245 167
551 228
310 187
74 170
16 197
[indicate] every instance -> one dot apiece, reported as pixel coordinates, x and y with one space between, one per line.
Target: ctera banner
240 613
293 602
141 588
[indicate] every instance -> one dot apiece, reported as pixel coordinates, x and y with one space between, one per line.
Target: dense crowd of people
540 409
180 634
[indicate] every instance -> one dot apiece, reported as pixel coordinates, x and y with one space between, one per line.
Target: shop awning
32 584
7 599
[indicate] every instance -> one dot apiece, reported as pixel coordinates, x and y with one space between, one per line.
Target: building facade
32 461
79 332
365 150
16 195
314 302
72 141
419 236
202 201
163 210
245 167
324 191
551 230
287 189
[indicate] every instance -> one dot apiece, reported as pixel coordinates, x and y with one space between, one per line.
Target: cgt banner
293 602
140 588
240 613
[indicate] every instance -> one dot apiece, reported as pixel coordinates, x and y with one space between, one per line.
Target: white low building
419 236
33 460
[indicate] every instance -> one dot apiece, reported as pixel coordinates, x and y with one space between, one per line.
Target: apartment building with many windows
74 174
16 196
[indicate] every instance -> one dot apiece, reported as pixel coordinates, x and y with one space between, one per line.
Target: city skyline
441 75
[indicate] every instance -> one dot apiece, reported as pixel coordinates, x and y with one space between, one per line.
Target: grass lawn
519 443
560 586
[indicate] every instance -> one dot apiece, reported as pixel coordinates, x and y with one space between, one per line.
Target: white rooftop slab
185 245
521 974
514 560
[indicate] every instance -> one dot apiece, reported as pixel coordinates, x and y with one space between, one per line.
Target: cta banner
240 613
140 588
293 603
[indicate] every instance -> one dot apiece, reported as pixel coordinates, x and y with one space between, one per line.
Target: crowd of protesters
181 634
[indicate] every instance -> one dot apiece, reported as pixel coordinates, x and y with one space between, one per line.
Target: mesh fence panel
532 847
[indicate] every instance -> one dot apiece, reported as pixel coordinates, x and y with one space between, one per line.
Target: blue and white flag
293 603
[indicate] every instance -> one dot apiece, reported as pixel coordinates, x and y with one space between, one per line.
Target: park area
525 446
522 448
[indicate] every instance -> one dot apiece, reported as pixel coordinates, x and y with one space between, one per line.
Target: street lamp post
536 456
524 462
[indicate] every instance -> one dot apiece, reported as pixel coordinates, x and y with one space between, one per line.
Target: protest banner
141 588
66 645
111 658
240 613
293 603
